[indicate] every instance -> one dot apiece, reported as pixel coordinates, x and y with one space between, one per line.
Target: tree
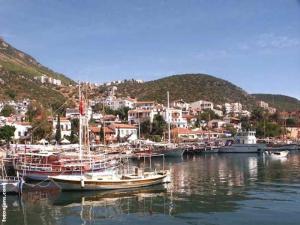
6 133
118 136
290 122
58 130
246 123
73 138
41 128
208 114
268 129
145 128
158 126
101 134
7 110
58 107
257 114
11 93
34 109
231 129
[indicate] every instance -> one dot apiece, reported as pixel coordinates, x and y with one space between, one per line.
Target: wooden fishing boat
37 166
91 182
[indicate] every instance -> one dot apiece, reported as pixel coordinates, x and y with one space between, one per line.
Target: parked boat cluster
108 167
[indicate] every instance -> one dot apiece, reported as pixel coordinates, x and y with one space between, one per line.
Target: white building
136 116
22 129
216 124
235 108
122 102
126 131
218 112
174 116
65 126
72 113
201 105
144 105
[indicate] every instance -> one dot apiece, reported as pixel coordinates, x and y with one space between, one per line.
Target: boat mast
80 123
168 116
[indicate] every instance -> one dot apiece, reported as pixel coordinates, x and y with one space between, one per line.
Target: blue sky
254 44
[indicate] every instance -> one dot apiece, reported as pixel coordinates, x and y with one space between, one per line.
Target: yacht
244 142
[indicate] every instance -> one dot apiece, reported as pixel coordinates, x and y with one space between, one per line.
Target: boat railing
10 178
33 166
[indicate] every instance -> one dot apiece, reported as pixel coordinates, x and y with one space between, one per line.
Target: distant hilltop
189 87
281 102
22 76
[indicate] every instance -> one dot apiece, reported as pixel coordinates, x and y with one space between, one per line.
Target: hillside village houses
20 107
112 133
266 106
182 116
44 79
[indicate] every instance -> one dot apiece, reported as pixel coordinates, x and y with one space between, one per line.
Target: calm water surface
205 189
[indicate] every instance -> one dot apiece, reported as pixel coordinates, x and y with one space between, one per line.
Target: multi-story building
118 103
235 108
138 115
22 129
125 131
201 105
266 106
144 105
174 116
65 126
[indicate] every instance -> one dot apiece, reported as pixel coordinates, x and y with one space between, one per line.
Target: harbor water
204 189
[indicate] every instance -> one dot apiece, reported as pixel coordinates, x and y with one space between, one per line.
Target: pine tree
101 134
58 130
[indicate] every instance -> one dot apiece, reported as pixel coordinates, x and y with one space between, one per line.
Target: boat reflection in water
206 189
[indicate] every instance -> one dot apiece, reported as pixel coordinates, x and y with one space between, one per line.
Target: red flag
81 107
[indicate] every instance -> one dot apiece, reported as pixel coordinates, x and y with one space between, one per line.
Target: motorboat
277 154
244 142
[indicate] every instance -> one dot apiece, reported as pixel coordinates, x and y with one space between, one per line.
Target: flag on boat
81 106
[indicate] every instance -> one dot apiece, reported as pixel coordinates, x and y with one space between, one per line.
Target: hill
189 87
281 102
17 78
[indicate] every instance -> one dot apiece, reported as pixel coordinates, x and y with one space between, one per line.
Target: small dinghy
277 154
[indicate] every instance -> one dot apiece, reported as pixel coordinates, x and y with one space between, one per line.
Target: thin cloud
270 41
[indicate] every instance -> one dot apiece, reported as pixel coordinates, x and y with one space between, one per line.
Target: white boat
289 147
277 154
91 182
11 185
244 142
177 152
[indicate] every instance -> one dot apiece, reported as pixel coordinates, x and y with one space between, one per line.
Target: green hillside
17 72
189 87
281 102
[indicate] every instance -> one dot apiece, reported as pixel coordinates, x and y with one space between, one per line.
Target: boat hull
173 153
10 186
242 148
78 184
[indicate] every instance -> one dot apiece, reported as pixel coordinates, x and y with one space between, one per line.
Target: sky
254 44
